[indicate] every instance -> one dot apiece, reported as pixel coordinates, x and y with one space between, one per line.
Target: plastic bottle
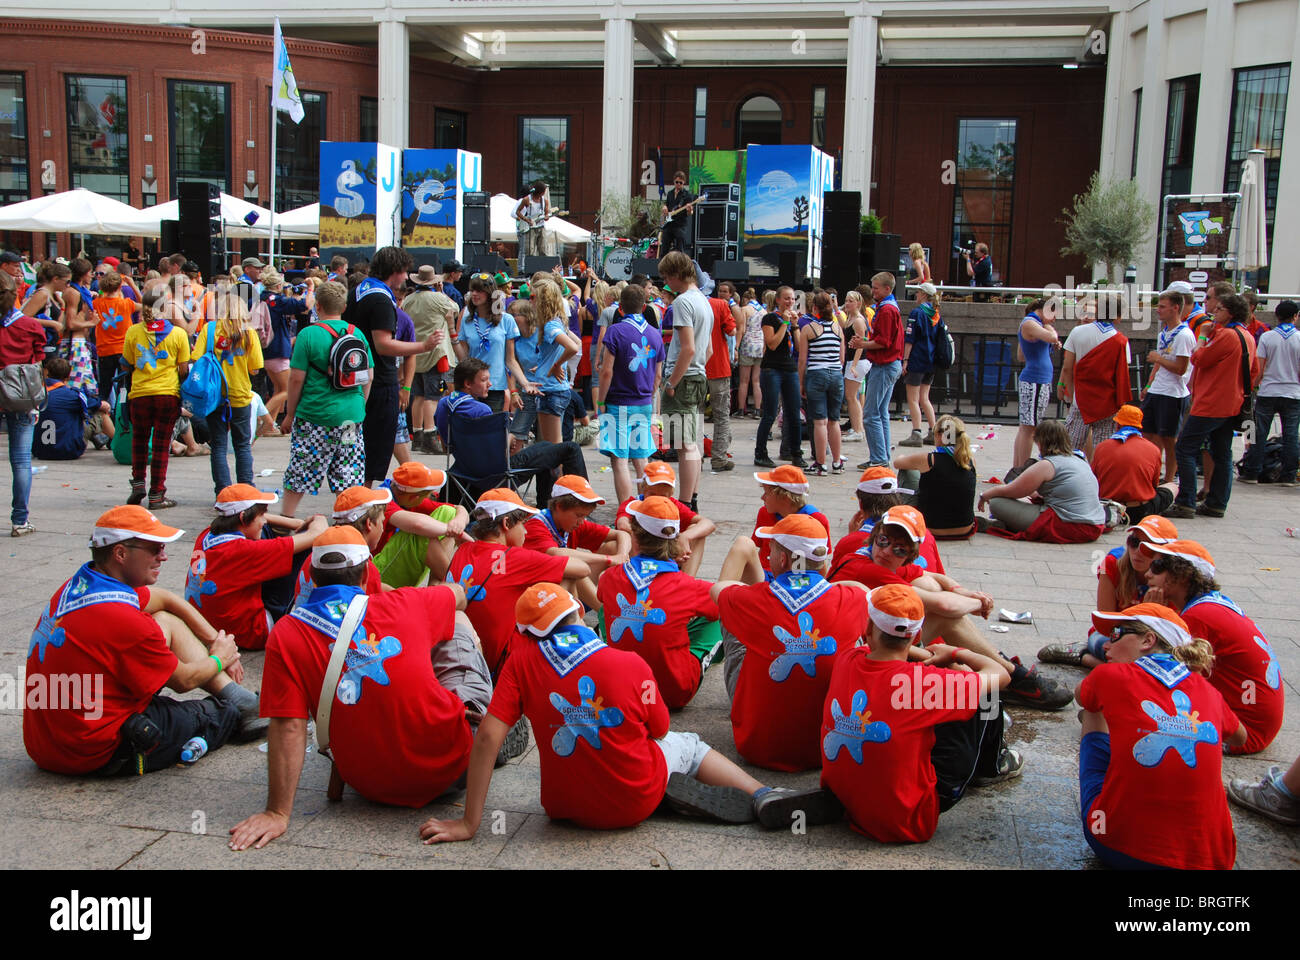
193 750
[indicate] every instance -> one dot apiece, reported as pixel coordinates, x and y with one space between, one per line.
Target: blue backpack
205 388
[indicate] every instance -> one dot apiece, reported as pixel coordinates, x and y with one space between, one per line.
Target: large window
13 138
449 129
701 117
1137 130
758 121
200 133
97 136
369 119
297 152
544 155
982 208
1180 135
1258 115
819 117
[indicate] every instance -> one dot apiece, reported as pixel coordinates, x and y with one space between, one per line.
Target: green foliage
872 224
632 217
1108 223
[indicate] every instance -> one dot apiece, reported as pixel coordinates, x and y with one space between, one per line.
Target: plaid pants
154 416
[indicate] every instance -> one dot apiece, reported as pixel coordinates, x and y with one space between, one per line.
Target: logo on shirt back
802 650
366 662
48 633
197 586
851 731
1179 731
641 355
472 592
584 720
149 357
634 615
1273 672
112 319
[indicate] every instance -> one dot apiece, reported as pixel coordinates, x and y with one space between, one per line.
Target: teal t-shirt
321 404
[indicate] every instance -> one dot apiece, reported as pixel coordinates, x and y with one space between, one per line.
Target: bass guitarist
676 212
530 217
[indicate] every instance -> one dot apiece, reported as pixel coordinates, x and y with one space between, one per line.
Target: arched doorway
758 121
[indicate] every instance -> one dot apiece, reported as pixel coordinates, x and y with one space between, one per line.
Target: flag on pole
284 88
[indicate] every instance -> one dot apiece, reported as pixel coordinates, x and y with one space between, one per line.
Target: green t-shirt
321 404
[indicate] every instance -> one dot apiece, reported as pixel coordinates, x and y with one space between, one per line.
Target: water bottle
194 749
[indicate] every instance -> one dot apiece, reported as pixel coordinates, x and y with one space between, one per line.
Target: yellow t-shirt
237 362
153 363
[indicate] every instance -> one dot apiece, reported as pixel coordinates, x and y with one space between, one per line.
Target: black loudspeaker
880 254
171 235
476 198
720 191
841 257
248 247
710 254
476 224
731 270
645 266
530 265
200 226
793 266
717 223
471 250
487 263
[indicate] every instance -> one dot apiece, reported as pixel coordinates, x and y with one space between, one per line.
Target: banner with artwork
718 166
783 206
433 185
1198 242
359 198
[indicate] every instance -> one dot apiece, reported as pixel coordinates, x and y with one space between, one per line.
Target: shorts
334 453
625 432
918 379
683 411
750 361
683 752
427 384
857 370
403 431
825 390
555 403
1162 415
276 364
1033 402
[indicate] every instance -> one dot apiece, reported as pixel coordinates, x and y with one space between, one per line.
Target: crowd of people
429 622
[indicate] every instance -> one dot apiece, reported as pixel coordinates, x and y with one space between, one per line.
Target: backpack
349 360
203 390
1270 470
942 349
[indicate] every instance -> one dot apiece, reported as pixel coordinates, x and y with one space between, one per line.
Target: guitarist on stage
531 215
673 236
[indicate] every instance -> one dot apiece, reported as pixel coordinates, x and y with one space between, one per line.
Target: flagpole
275 123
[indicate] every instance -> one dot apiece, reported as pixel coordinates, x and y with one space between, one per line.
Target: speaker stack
717 224
200 226
475 207
841 257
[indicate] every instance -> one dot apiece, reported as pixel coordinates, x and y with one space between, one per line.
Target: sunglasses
901 551
154 548
1135 540
1122 631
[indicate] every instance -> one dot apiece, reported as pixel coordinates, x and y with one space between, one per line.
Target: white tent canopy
233 212
78 211
299 222
557 230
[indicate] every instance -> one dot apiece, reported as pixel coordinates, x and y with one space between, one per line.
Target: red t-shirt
95 659
651 622
1163 799
304 585
719 363
397 735
494 576
587 706
22 341
1246 669
767 519
1216 372
777 708
877 734
887 328
586 536
426 507
852 561
1128 472
684 512
225 580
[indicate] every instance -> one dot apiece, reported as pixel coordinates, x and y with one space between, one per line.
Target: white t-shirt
691 309
1084 337
1172 344
1281 346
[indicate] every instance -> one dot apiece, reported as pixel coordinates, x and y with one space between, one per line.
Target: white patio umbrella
78 211
1251 235
557 230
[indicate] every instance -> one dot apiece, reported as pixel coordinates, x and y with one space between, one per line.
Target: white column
1284 265
1215 100
394 83
860 107
1151 133
1117 110
616 117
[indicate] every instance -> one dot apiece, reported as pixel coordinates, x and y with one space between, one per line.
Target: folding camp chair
480 447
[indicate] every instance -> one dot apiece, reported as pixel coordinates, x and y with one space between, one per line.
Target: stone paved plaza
179 818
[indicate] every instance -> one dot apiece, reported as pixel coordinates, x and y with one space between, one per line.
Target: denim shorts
825 390
554 403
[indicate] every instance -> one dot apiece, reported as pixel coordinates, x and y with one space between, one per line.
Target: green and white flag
284 88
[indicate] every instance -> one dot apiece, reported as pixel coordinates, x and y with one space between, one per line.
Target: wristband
407 389
220 666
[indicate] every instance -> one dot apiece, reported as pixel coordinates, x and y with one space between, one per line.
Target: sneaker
137 494
1247 478
852 436
1071 653
928 439
913 441
100 441
1205 510
515 743
799 462
690 797
1037 691
21 529
722 466
763 460
1266 799
1179 511
161 503
777 807
864 464
816 470
839 465
1010 765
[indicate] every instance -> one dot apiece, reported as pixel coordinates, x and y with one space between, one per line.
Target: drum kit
616 255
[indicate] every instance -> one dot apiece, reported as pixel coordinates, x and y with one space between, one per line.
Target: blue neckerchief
798 590
948 450
375 285
484 332
1125 433
888 299
325 607
561 538
806 508
13 315
637 320
1285 329
456 398
1215 596
641 570
569 646
160 336
88 586
1103 325
1165 337
1164 668
216 540
1197 311
86 296
868 525
1081 455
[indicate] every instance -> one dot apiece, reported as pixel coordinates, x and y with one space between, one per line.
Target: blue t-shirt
1038 356
637 346
460 405
486 341
537 356
920 334
61 427
284 324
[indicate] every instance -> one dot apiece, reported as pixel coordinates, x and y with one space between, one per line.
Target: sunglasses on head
901 551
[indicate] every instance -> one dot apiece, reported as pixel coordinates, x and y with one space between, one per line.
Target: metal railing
1077 292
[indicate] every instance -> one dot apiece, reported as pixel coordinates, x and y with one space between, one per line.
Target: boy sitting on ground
660 480
61 426
784 494
362 509
878 491
419 534
563 530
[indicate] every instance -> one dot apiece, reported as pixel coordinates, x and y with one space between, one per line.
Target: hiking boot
690 797
137 494
778 807
1205 510
928 439
722 466
913 441
1266 798
515 743
763 460
1179 511
1037 691
1010 765
21 529
1071 653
